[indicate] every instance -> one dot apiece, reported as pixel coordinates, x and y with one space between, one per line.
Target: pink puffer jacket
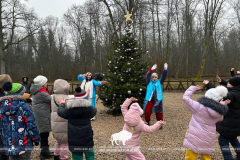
201 134
132 118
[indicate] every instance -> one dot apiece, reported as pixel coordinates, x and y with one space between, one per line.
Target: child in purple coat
201 134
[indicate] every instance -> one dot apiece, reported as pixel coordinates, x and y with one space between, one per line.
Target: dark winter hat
14 88
234 81
4 78
80 93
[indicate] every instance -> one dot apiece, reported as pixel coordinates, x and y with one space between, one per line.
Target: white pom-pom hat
216 93
40 80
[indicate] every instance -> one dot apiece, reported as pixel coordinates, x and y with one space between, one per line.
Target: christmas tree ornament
120 95
131 58
106 99
109 70
128 63
128 84
116 67
109 62
114 73
140 93
140 89
128 16
129 92
114 95
121 79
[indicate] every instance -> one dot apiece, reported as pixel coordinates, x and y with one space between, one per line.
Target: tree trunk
203 60
159 35
2 54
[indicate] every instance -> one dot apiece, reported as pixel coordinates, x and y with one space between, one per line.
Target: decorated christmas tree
126 73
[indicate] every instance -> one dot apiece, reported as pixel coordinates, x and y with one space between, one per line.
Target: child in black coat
80 134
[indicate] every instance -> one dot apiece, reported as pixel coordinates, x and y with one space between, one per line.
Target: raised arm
81 78
208 84
192 105
163 76
232 72
125 105
148 75
223 82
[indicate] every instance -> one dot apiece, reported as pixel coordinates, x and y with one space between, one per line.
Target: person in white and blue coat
154 94
88 84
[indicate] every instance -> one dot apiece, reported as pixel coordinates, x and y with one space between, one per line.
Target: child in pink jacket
201 134
135 125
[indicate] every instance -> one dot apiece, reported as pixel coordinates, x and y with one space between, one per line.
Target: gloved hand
165 66
154 66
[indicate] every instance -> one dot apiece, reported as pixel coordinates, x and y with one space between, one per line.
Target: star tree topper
128 16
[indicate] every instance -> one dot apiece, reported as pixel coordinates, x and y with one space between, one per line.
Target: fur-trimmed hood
77 103
216 106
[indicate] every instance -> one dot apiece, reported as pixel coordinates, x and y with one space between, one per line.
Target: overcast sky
52 7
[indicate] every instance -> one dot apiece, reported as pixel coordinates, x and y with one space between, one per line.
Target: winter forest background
195 37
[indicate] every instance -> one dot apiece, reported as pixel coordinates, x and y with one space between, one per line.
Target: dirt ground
166 144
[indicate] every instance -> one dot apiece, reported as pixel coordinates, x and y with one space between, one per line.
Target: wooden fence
167 85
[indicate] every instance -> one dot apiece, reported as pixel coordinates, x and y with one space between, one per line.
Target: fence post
72 88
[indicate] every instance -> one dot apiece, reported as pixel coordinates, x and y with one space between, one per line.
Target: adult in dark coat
229 128
80 134
26 84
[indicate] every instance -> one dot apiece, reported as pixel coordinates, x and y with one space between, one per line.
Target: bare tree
212 10
13 17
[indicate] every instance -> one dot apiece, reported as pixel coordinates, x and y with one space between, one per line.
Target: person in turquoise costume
154 94
88 84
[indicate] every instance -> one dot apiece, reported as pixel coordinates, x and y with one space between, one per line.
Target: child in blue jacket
17 121
154 94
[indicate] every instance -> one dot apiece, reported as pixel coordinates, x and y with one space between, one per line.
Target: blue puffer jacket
18 127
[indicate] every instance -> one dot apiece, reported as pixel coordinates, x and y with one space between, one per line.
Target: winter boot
56 157
161 128
45 153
